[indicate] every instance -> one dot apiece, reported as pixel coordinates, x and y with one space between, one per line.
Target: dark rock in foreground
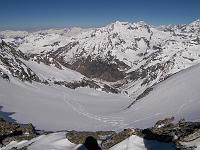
166 131
13 131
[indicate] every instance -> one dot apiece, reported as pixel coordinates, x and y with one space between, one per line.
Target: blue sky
25 14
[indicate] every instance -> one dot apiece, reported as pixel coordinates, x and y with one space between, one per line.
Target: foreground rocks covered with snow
15 132
179 133
165 131
165 134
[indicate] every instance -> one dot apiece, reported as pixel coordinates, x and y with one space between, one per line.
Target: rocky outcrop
11 62
106 138
98 68
88 83
79 137
167 131
116 138
10 131
4 76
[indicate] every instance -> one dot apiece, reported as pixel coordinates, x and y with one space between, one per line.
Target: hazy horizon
37 14
32 29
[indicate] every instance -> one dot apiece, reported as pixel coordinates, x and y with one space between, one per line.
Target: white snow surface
52 73
137 143
53 141
58 108
44 142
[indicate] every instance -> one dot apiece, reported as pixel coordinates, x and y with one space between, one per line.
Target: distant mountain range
126 57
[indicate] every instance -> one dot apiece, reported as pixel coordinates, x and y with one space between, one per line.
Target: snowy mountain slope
136 55
44 40
95 54
43 69
10 63
17 64
52 73
57 108
131 56
177 96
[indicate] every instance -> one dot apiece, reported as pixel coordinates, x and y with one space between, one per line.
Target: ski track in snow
181 108
117 122
140 120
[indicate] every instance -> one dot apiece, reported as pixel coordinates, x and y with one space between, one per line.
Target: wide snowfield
58 108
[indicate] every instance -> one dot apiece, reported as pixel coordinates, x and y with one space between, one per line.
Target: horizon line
38 28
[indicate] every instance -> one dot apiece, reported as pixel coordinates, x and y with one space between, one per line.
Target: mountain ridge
131 57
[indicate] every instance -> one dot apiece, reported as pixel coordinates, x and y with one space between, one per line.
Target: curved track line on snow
117 122
139 120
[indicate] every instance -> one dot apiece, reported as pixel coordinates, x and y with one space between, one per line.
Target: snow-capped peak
120 23
141 22
196 23
117 25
